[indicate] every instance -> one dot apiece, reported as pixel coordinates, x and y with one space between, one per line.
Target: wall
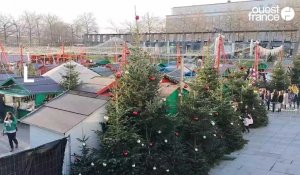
85 128
40 136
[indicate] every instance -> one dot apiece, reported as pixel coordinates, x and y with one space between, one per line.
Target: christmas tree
246 97
70 79
140 137
84 163
280 80
295 73
209 121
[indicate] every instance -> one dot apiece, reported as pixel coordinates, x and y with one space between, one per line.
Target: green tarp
39 99
102 62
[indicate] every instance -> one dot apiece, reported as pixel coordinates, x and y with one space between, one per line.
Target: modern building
193 26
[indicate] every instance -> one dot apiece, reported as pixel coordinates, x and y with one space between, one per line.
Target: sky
105 11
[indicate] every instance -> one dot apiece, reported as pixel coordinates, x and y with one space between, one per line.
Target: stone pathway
271 150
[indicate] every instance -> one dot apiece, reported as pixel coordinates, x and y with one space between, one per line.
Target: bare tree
6 26
30 24
87 23
150 23
38 24
50 21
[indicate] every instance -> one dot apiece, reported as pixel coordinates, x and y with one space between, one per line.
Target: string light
104 164
133 165
166 141
215 135
159 131
83 144
196 149
231 123
204 137
92 164
212 123
154 168
138 141
167 170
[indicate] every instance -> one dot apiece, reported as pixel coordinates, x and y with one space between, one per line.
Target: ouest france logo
273 13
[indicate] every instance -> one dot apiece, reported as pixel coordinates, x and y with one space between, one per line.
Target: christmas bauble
152 78
125 153
137 17
118 74
151 144
135 113
177 134
206 88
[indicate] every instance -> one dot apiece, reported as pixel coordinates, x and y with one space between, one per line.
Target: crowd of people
277 100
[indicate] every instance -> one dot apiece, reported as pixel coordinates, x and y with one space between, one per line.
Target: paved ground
272 150
22 137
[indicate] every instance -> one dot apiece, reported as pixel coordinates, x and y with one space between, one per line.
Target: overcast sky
104 10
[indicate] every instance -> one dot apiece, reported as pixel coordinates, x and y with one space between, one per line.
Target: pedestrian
268 99
10 128
291 98
285 99
274 100
295 100
280 101
247 121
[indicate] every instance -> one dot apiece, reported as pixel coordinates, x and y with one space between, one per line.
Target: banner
45 159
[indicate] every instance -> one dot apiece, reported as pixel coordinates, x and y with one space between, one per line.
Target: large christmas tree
295 73
246 97
209 121
140 137
280 80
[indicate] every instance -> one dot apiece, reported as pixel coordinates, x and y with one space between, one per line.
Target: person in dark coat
268 99
274 100
280 100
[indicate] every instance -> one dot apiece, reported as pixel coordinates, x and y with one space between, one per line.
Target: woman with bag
10 128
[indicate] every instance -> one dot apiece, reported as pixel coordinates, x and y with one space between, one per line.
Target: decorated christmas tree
280 80
83 163
70 79
295 73
209 120
140 137
245 97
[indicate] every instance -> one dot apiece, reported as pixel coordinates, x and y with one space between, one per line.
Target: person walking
268 99
280 101
274 100
285 99
291 98
247 121
10 128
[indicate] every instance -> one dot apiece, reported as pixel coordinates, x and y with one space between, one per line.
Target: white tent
85 74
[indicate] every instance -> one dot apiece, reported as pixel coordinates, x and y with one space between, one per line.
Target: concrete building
193 26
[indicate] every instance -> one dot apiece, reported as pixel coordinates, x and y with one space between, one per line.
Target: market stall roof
65 112
85 74
18 88
103 71
97 85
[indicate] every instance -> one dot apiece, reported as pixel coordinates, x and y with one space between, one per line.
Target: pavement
22 137
271 150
